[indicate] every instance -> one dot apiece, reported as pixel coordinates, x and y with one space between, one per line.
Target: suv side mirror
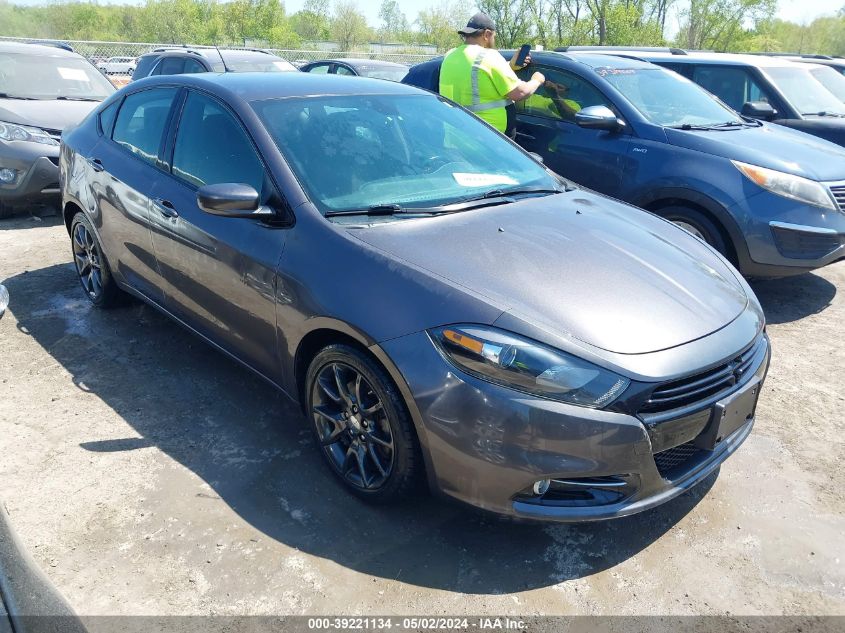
759 110
598 118
231 200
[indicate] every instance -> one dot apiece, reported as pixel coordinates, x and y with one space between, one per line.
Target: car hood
52 115
771 146
579 265
829 128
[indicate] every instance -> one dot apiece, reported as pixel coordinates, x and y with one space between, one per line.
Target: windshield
353 152
804 91
383 72
48 77
831 80
258 63
665 98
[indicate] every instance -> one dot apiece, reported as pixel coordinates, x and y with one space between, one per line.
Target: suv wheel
361 425
697 224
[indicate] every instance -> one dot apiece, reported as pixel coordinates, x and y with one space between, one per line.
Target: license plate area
729 414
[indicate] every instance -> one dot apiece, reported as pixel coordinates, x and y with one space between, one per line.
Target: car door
126 164
545 124
342 69
219 272
320 69
734 85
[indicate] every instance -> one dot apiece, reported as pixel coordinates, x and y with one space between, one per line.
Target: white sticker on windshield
73 74
482 180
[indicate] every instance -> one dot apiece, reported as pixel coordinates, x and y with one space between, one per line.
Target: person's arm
525 89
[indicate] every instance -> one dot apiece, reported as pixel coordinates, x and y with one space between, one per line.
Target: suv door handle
96 164
166 208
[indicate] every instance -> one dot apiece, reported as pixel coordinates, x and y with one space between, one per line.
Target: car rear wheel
91 265
361 425
697 224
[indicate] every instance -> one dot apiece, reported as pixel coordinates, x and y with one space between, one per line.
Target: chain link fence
99 52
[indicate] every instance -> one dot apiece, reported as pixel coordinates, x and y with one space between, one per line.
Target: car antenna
225 67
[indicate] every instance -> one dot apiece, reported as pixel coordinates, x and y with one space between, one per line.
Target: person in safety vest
476 75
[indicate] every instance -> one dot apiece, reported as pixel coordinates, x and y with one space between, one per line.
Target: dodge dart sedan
443 307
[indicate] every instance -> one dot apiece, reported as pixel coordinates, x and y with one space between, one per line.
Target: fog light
8 176
542 487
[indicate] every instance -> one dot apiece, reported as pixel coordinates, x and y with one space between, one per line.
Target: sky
800 11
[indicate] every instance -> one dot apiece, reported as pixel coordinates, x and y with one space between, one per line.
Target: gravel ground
148 474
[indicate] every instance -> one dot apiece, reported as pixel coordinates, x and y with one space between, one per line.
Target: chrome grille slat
838 192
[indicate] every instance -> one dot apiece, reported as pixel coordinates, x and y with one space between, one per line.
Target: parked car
637 132
118 65
184 60
837 63
372 68
43 90
831 79
766 88
439 303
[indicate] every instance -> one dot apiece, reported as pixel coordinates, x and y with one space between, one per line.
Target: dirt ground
148 474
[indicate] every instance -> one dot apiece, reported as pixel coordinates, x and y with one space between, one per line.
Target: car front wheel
697 224
361 425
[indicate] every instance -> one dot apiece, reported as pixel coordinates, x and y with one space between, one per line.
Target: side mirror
231 200
759 110
536 157
4 299
598 118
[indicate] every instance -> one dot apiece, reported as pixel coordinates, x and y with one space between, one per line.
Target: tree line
722 25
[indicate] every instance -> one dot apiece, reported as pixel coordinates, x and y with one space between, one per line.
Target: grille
670 460
803 244
839 193
699 387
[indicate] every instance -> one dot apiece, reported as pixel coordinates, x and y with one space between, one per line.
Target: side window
320 69
561 97
170 66
193 66
343 70
140 124
107 118
733 85
212 147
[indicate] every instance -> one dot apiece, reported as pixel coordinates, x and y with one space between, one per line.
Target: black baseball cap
478 22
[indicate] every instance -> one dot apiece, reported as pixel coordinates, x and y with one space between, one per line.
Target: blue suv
771 199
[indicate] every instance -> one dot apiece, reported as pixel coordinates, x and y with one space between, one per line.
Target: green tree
394 24
349 26
723 24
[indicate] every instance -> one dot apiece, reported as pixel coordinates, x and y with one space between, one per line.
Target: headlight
787 185
15 132
512 361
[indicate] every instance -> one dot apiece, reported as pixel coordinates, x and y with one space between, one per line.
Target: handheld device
522 54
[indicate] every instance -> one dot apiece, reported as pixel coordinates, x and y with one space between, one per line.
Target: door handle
96 164
526 136
166 208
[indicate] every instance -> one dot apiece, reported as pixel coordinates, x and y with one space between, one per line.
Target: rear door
546 125
127 166
219 272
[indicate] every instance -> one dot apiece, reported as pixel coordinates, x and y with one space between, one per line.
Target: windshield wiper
824 113
6 95
77 99
381 209
504 193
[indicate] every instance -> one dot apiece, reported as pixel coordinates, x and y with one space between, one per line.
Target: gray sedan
443 307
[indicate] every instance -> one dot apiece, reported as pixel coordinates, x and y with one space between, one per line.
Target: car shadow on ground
37 220
251 445
793 298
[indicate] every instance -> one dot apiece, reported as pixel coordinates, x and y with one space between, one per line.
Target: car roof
254 86
355 61
590 59
44 50
691 57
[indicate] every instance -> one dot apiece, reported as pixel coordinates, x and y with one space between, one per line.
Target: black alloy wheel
360 424
91 266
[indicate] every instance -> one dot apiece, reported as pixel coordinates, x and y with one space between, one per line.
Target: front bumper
786 237
37 174
487 445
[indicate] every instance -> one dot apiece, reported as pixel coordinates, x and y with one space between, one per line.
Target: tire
355 446
92 268
6 211
698 224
